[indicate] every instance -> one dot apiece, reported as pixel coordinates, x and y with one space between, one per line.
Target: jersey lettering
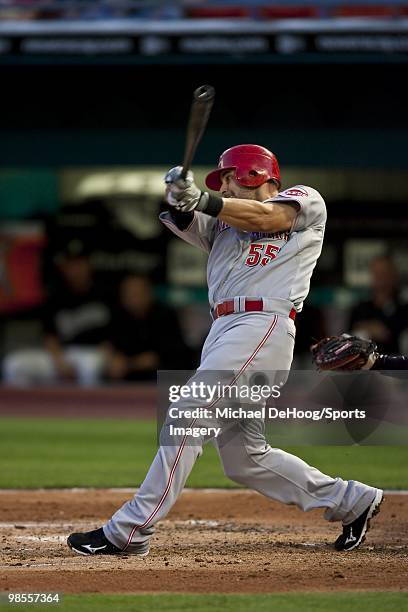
295 192
261 254
222 226
275 235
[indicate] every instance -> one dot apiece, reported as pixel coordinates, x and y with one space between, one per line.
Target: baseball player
263 245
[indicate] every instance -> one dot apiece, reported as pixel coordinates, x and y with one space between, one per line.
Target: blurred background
95 96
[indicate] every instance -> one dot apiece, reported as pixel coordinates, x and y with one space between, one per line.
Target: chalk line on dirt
135 489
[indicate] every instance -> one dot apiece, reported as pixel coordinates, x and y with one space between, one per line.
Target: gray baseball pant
243 343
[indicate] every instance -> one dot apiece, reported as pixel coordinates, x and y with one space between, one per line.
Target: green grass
104 453
94 453
291 602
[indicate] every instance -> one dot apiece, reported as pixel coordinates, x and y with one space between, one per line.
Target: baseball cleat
96 543
92 543
354 533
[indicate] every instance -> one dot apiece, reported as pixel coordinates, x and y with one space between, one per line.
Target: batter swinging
263 245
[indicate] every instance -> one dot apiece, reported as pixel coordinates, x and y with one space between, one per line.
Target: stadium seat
365 11
288 12
217 12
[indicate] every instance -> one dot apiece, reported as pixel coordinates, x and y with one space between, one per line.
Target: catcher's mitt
344 353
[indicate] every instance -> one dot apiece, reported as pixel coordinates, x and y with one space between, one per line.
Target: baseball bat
203 100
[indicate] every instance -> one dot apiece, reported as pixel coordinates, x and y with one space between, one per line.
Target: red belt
228 307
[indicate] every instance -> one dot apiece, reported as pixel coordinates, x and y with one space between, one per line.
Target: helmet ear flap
249 176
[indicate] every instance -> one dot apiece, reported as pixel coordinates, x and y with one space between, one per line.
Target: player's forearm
250 215
391 362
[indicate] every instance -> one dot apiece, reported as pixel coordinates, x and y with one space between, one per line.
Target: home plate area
212 541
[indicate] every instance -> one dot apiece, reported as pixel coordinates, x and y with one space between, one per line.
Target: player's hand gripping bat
181 192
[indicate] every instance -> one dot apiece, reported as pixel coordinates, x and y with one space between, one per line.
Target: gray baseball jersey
277 268
261 264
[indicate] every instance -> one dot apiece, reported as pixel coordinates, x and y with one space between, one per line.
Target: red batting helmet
253 165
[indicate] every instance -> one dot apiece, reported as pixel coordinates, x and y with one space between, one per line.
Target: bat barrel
203 100
204 93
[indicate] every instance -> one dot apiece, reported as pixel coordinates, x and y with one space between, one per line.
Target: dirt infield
234 541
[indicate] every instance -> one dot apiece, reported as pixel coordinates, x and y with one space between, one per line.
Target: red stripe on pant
183 443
